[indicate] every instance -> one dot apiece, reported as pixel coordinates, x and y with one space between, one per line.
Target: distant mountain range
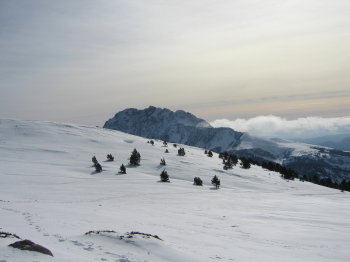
341 141
185 128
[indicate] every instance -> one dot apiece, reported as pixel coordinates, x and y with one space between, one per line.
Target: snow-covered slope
309 160
50 195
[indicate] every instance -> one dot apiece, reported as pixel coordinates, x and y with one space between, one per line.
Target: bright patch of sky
82 61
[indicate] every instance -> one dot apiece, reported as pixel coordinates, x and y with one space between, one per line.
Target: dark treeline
230 160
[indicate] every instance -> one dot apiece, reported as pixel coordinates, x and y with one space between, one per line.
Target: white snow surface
50 195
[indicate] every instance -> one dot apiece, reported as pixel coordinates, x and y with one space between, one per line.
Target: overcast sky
82 61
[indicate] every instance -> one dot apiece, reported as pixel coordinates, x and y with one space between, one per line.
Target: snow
50 195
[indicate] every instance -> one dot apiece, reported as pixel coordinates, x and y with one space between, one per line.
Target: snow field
50 194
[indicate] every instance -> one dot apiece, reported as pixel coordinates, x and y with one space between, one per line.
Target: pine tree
122 169
216 182
175 145
98 167
205 151
166 151
164 177
165 143
152 142
210 154
135 158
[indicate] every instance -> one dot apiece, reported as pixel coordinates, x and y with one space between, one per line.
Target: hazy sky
82 61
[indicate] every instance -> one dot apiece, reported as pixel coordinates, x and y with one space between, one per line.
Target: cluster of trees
208 153
229 160
150 142
245 163
343 186
285 172
135 160
197 181
97 165
181 151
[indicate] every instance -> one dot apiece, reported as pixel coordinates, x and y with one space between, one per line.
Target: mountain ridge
307 160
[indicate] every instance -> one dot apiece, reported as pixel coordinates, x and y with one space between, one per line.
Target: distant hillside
340 142
182 127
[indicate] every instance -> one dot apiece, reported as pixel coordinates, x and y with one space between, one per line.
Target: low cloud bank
274 126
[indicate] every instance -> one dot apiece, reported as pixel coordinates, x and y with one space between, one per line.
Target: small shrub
162 162
181 151
164 177
110 157
197 181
